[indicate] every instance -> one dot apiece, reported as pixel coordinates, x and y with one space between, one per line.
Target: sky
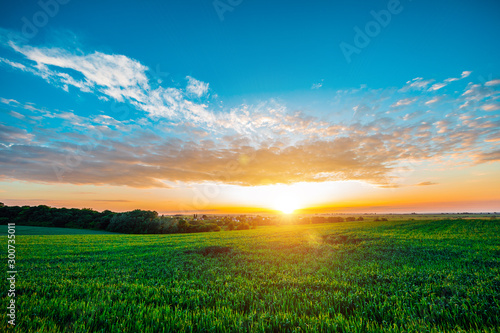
238 106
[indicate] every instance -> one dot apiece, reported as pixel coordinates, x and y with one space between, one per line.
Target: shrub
243 226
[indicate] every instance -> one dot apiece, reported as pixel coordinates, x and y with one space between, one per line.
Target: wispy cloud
426 184
404 102
437 86
112 76
317 85
491 107
492 83
434 100
466 74
196 87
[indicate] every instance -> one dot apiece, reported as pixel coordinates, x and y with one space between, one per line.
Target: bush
243 226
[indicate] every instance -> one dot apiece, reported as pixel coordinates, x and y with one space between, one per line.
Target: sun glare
286 205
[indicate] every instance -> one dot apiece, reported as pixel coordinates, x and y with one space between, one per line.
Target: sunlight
286 205
286 208
290 198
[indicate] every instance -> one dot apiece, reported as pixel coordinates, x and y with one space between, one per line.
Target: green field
395 276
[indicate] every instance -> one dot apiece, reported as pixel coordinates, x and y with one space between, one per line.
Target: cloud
492 83
485 157
403 102
434 100
12 135
317 85
16 115
108 200
179 137
125 164
13 64
116 76
420 84
466 74
412 115
426 184
196 87
136 155
491 107
417 84
437 86
113 76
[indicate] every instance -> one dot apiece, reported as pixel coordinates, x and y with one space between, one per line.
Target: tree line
133 222
146 222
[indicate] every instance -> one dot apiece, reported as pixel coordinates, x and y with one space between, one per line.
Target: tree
243 226
134 222
230 226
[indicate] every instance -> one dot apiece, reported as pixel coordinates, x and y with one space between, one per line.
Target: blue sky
276 47
171 89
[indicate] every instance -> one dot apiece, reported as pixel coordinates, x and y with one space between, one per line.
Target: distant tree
318 219
182 224
134 222
361 218
230 226
335 219
214 227
350 219
243 226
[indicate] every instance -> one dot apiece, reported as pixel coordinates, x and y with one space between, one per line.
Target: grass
395 276
22 230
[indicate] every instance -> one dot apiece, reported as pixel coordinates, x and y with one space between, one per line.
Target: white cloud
492 83
404 102
114 75
417 83
437 86
466 74
451 79
13 64
196 87
317 85
433 100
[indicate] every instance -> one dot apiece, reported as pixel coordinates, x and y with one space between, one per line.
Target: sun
286 206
